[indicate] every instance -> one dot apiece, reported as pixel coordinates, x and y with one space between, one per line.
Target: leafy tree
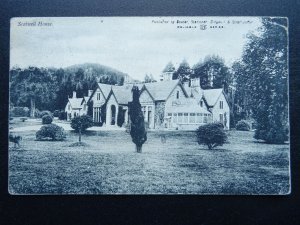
183 72
213 73
121 116
212 135
32 86
169 68
138 131
81 123
264 67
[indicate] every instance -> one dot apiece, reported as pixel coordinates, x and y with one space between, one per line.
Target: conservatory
189 117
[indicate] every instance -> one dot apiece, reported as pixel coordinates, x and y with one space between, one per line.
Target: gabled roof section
211 95
160 91
144 88
85 99
75 103
123 94
105 88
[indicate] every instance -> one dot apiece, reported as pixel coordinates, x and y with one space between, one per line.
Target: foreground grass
109 165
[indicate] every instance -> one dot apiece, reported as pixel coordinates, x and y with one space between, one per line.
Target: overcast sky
134 45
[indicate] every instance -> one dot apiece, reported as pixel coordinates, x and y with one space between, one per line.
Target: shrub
272 136
45 112
211 134
218 124
242 125
52 131
84 122
56 113
19 111
46 119
62 115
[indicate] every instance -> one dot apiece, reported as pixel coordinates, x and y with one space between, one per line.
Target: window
221 118
144 110
209 118
180 117
205 118
192 117
201 103
185 117
177 95
175 118
98 96
199 118
69 107
170 114
221 104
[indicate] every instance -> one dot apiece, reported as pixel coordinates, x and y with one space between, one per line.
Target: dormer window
177 95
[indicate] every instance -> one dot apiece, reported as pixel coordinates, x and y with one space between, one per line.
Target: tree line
49 88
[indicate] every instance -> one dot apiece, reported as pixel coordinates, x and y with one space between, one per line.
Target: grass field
109 165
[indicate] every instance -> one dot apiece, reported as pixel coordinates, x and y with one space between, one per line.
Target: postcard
149 105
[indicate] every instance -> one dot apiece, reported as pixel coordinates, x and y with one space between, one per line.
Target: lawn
109 165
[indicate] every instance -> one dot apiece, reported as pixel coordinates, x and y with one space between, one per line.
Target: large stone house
166 104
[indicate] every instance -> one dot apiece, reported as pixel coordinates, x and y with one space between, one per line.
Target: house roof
211 95
123 94
86 98
161 90
105 88
75 103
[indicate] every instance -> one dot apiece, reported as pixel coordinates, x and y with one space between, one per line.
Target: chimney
90 93
74 94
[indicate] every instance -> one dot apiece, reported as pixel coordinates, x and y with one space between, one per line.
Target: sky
133 45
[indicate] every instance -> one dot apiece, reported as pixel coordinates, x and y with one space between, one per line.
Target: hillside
97 70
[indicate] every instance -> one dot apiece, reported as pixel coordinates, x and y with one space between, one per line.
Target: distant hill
97 70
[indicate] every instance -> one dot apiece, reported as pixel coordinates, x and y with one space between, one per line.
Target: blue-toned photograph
149 105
